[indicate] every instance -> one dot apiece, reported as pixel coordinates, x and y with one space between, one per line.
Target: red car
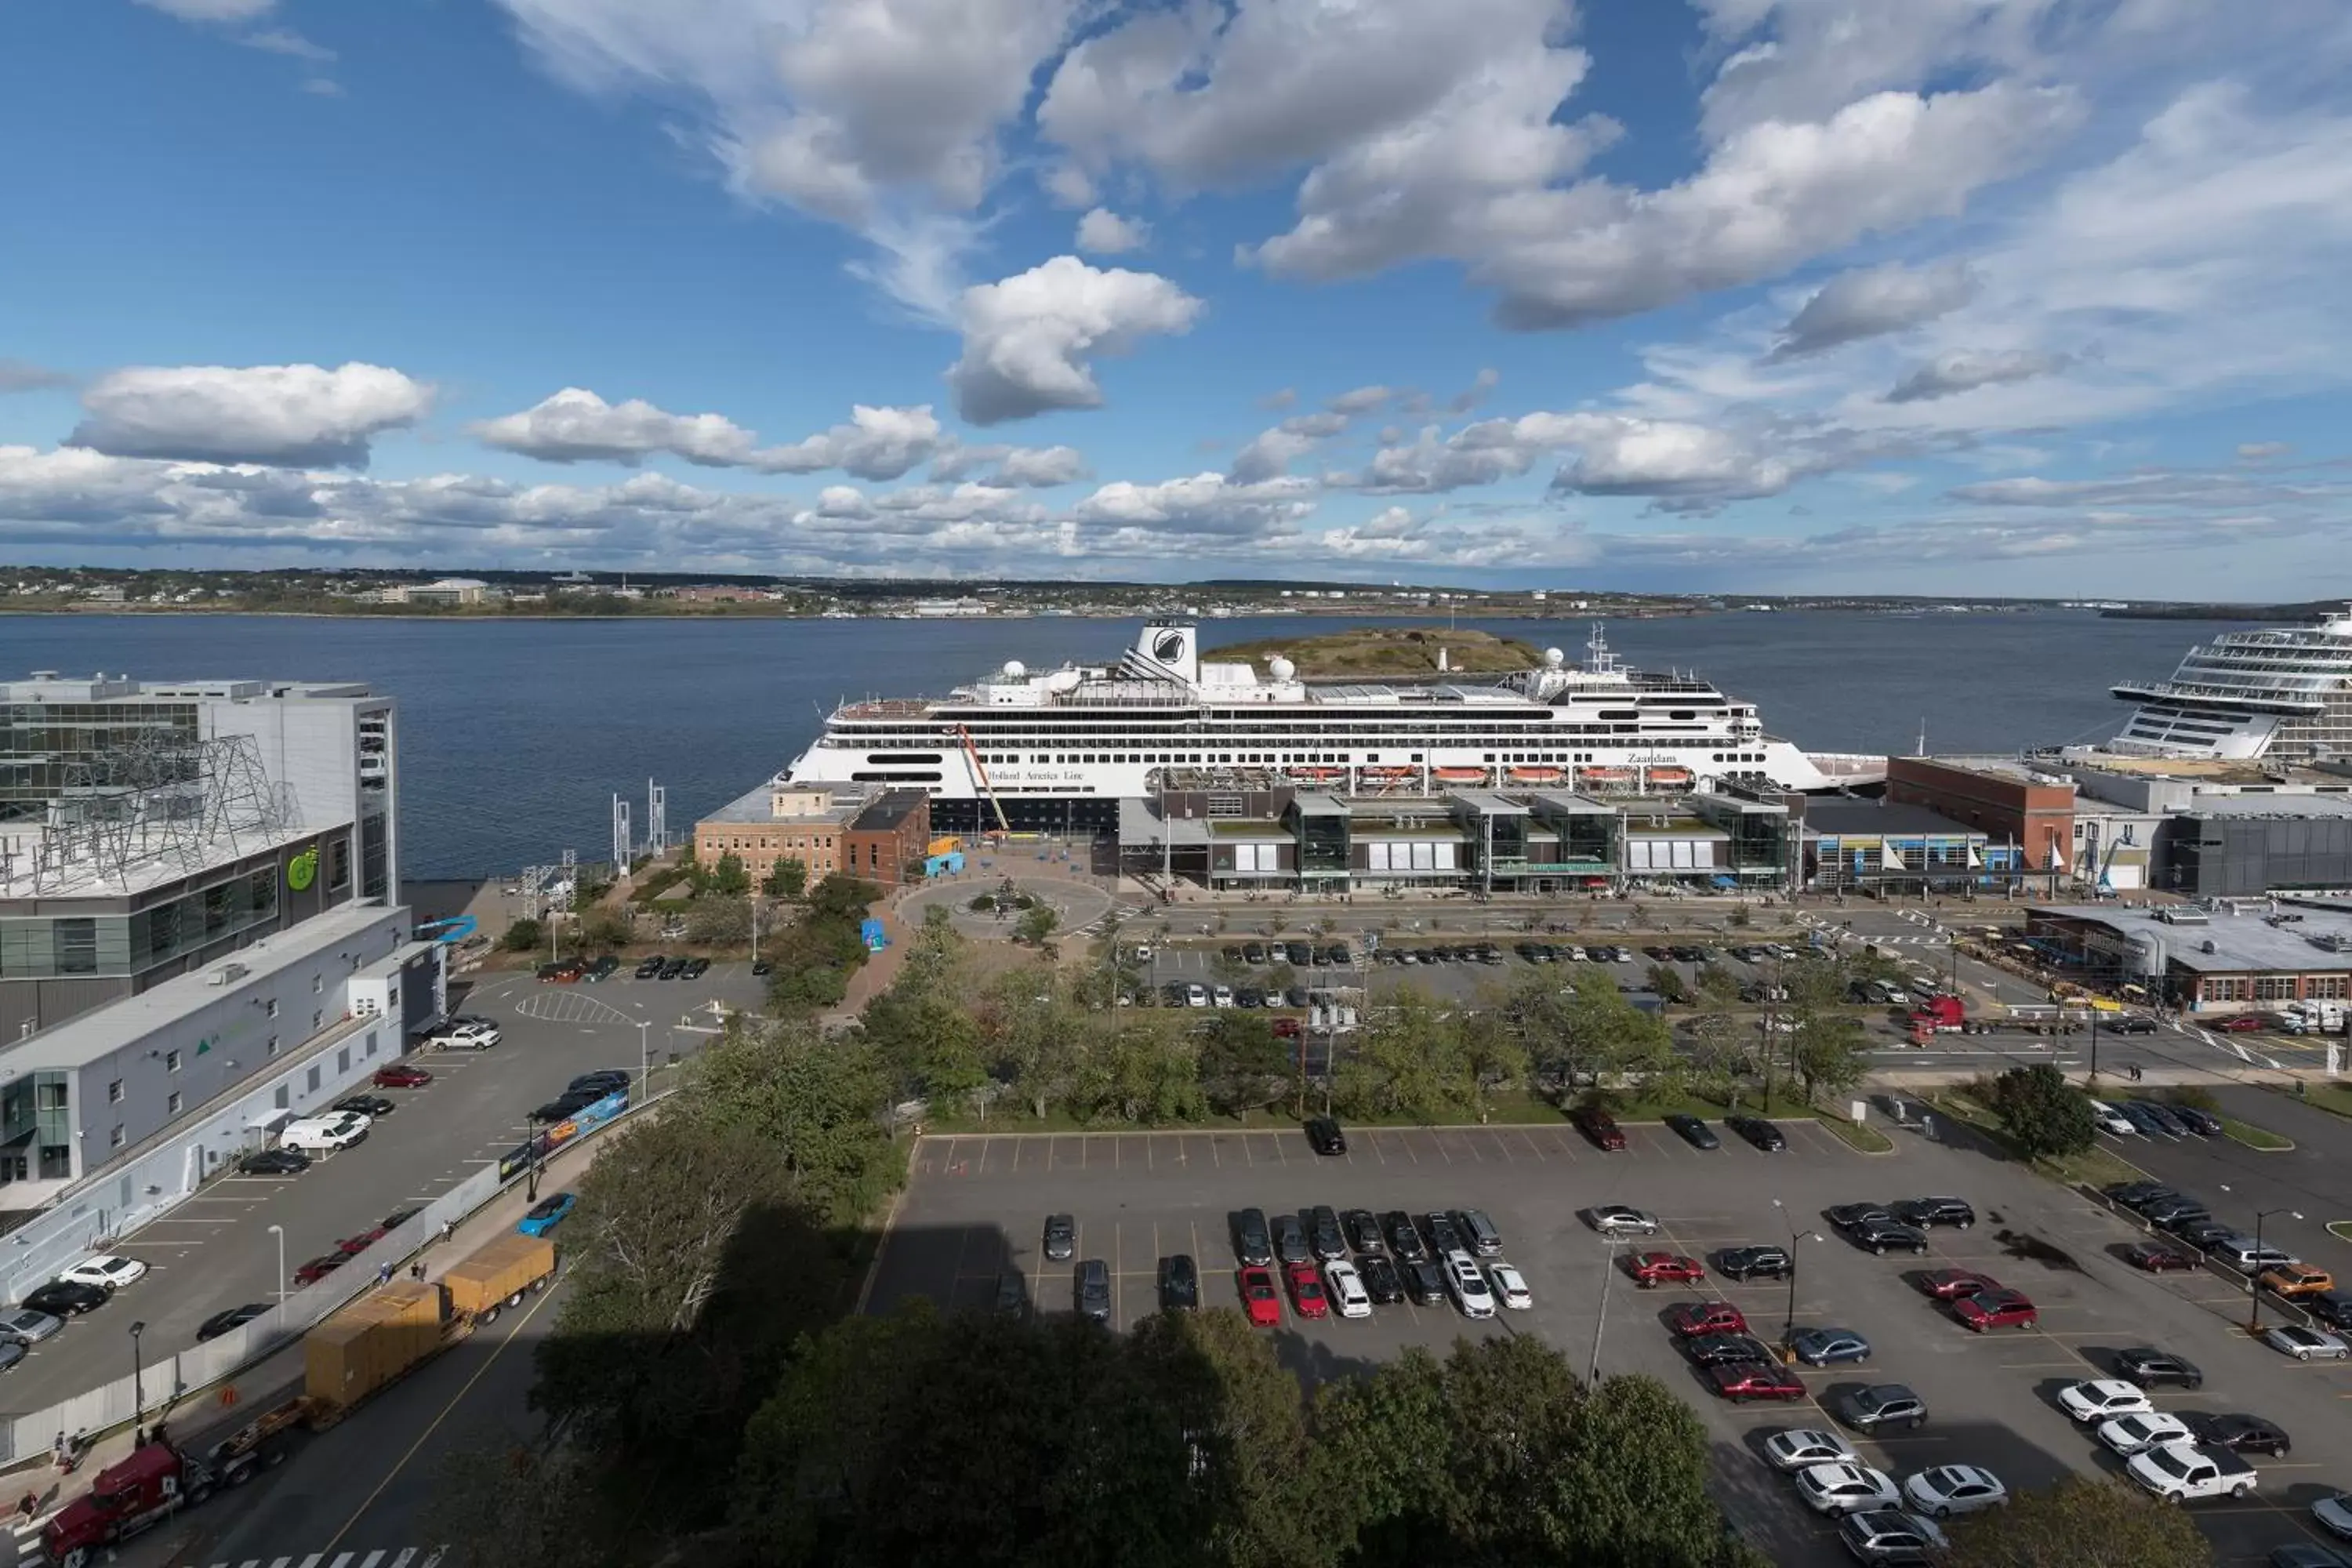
1693 1319
1307 1298
353 1246
1741 1381
1260 1299
401 1075
1951 1284
319 1268
2239 1024
1652 1269
2157 1258
1996 1310
1602 1128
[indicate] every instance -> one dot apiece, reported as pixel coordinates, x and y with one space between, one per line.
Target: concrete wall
2239 857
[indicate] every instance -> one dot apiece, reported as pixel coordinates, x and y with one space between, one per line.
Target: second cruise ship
2283 693
1058 749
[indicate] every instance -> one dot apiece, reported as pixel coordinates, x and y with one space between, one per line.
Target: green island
1382 651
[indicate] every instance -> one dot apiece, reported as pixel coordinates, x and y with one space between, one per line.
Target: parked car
1890 1536
2158 1258
464 1035
1805 1447
2333 1308
2334 1514
1947 1489
2103 1399
1479 1231
1883 1405
547 1214
1444 1235
1829 1347
696 968
1091 1290
2242 1434
1290 1240
1694 1320
27 1327
1926 1212
1404 1236
1693 1130
1012 1295
1468 1286
1323 1234
67 1299
1740 1382
649 968
1510 1286
274 1162
1651 1269
2001 1309
219 1323
373 1106
1951 1284
1884 1236
1306 1295
1852 1217
1600 1127
1745 1263
2305 1344
1382 1281
2150 1368
1847 1487
319 1268
1346 1289
2293 1280
1062 1238
402 1075
1425 1281
1179 1283
1260 1299
2127 1435
1325 1137
316 1133
106 1271
601 1082
1759 1131
1362 1229
1718 1350
1619 1219
353 1246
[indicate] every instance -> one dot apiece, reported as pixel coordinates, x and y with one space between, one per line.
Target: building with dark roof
887 841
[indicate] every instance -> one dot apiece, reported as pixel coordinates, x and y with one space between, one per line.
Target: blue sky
1953 295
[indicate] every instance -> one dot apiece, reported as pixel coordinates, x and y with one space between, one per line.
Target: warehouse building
2231 956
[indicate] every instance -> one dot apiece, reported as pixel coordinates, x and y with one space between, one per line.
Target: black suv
1323 1233
1404 1240
1094 1290
1363 1230
1884 1236
1290 1239
1252 1243
1443 1237
1759 1131
2240 1434
1425 1282
1383 1283
1179 1284
1323 1135
1923 1212
1746 1263
1853 1216
649 968
2149 1367
1061 1237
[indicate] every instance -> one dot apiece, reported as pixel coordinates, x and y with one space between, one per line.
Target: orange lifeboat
1535 775
1461 775
1670 778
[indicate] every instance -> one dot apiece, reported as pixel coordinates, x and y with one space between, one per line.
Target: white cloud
287 41
210 10
577 425
2262 451
881 115
1269 453
1279 399
1956 374
23 375
1010 467
877 444
288 413
1474 394
1104 233
1872 301
1361 400
1068 186
1029 340
1204 503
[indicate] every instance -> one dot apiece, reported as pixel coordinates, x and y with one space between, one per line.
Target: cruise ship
1058 749
2283 693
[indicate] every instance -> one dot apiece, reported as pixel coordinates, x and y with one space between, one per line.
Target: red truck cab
146 1489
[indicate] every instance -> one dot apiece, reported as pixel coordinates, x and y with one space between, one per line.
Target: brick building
2007 801
776 823
890 834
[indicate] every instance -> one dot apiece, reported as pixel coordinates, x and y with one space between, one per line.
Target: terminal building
200 934
2231 956
874 833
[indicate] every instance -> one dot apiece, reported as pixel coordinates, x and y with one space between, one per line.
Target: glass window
115 1092
172 1104
171 1061
77 943
114 1138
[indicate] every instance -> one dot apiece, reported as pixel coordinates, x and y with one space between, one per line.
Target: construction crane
980 774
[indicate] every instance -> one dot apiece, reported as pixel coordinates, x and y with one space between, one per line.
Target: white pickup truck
2188 1472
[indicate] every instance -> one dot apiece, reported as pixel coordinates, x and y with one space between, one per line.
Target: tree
1242 1066
787 878
815 1099
523 936
2043 1114
729 878
1036 925
1829 1054
2083 1522
606 928
719 919
1667 981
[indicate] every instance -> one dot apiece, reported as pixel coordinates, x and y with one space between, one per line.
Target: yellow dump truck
386 1334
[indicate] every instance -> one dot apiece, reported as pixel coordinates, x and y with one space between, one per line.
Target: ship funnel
1167 648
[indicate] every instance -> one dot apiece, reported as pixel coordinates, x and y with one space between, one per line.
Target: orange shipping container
499 1272
370 1344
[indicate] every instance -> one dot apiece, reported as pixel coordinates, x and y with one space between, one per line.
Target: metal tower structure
159 798
656 817
624 845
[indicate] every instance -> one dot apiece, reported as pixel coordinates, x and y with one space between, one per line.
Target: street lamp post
2254 1281
280 1232
1593 1373
1789 1323
530 1180
645 1068
138 1385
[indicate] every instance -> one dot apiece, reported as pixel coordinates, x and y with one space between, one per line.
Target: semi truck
373 1341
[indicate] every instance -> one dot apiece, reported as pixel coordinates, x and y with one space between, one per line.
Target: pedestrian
416 1271
58 1450
448 1228
384 1273
27 1505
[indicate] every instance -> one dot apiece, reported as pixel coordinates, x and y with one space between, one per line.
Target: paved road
215 1251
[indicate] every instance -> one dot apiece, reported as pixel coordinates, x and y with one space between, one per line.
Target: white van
339 1131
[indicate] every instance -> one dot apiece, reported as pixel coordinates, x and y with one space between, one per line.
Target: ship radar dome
1015 670
1554 658
1280 667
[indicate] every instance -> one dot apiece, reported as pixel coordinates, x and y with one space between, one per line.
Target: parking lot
976 1206
215 1250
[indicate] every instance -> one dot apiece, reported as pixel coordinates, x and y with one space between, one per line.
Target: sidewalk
199 1418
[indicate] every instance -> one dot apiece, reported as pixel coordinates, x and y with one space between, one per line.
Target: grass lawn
2335 1097
2341 1229
1862 1135
1505 1109
2096 1167
2254 1137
